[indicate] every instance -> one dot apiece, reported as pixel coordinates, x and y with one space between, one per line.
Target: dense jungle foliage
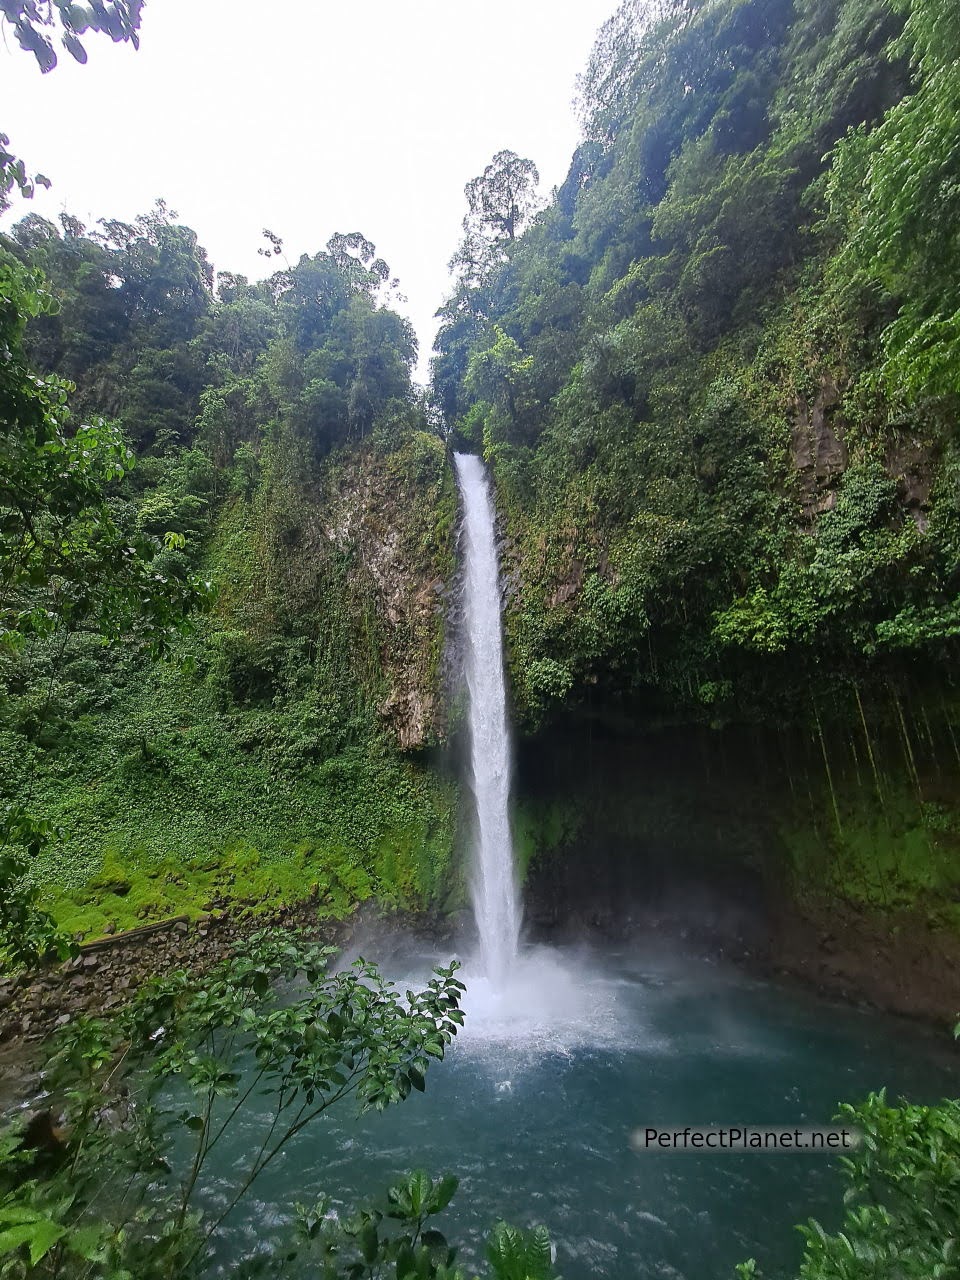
717 373
716 378
254 443
124 1189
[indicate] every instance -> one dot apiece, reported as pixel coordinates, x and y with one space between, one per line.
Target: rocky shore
108 970
901 965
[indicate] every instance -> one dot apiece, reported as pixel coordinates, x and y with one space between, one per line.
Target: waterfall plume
493 883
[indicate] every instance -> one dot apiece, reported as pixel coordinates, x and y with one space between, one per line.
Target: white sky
308 118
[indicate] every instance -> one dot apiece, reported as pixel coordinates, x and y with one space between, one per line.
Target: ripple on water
539 1095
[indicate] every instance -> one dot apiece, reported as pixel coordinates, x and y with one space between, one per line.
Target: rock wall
738 842
394 518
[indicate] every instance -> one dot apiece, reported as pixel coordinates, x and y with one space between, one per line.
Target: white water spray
496 902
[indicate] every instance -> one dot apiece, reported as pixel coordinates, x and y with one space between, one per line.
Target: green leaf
39 1236
369 1242
435 1241
419 1187
88 1242
406 1262
443 1192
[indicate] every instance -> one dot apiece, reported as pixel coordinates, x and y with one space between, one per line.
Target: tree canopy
757 231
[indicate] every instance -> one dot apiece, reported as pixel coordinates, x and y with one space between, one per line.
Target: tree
346 1034
277 1021
604 97
500 203
499 374
35 23
67 564
901 1201
356 256
503 198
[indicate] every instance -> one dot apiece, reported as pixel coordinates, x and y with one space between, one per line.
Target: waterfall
493 885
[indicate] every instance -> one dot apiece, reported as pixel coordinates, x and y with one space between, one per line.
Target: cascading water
496 902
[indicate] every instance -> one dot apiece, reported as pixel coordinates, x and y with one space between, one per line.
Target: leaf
419 1187
39 1236
16 1213
369 1242
87 1242
73 45
443 1192
406 1262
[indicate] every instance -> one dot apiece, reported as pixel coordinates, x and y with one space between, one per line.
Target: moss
882 858
543 828
403 863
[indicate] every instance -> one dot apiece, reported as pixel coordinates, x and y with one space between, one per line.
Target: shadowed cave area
672 834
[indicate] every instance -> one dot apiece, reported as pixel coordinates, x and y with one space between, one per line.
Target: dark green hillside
717 380
726 474
281 454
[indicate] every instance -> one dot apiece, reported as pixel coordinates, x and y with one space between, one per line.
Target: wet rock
818 449
104 976
911 462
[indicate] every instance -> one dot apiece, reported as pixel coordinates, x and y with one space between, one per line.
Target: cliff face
764 844
912 457
719 407
355 555
764 631
393 518
818 450
781 536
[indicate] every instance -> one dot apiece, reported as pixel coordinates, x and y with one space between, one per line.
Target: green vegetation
716 376
901 1202
724 486
175 1069
69 563
118 1202
281 454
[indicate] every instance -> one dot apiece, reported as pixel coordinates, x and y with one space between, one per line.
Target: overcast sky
308 118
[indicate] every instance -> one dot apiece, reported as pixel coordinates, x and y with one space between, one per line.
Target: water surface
535 1103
